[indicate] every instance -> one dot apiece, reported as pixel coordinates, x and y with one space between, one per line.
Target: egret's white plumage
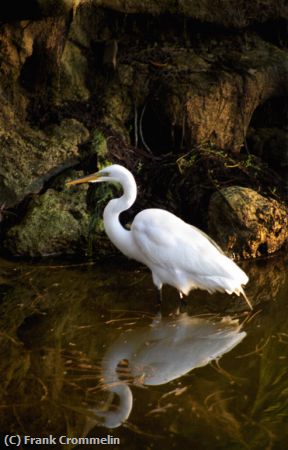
177 253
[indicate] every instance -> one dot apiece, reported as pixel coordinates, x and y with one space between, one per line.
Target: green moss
99 147
98 197
98 242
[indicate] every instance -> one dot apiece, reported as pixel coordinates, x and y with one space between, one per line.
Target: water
84 348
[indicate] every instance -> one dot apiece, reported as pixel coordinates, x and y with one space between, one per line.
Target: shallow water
84 348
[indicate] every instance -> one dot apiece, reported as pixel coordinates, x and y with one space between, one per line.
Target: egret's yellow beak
94 177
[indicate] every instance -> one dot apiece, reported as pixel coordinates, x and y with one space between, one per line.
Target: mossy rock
29 157
55 224
73 74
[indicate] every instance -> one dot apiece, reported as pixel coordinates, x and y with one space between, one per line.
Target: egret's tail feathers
241 291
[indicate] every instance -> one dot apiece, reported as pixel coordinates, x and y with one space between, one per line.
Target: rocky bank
191 96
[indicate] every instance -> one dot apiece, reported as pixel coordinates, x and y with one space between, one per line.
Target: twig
141 132
135 125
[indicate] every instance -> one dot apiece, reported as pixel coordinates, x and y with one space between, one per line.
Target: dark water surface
86 353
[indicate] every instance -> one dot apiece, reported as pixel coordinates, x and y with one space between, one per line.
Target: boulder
246 224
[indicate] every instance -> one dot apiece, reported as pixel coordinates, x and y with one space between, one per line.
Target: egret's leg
159 297
158 283
182 299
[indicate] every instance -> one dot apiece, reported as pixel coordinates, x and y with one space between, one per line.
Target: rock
194 97
73 74
35 9
247 224
226 12
55 224
30 55
30 157
199 89
203 104
61 223
265 279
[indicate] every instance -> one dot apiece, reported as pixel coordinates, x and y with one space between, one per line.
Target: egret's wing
209 239
182 255
168 241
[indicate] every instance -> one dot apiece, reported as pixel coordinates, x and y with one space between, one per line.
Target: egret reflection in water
159 353
55 335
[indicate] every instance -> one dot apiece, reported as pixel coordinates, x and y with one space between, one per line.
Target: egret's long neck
120 237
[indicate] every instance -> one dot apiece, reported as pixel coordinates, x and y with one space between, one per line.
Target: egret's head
111 173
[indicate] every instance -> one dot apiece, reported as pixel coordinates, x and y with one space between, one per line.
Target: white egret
177 253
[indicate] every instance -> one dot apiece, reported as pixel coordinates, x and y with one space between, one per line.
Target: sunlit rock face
246 223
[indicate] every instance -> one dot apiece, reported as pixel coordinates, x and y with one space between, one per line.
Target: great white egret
177 253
